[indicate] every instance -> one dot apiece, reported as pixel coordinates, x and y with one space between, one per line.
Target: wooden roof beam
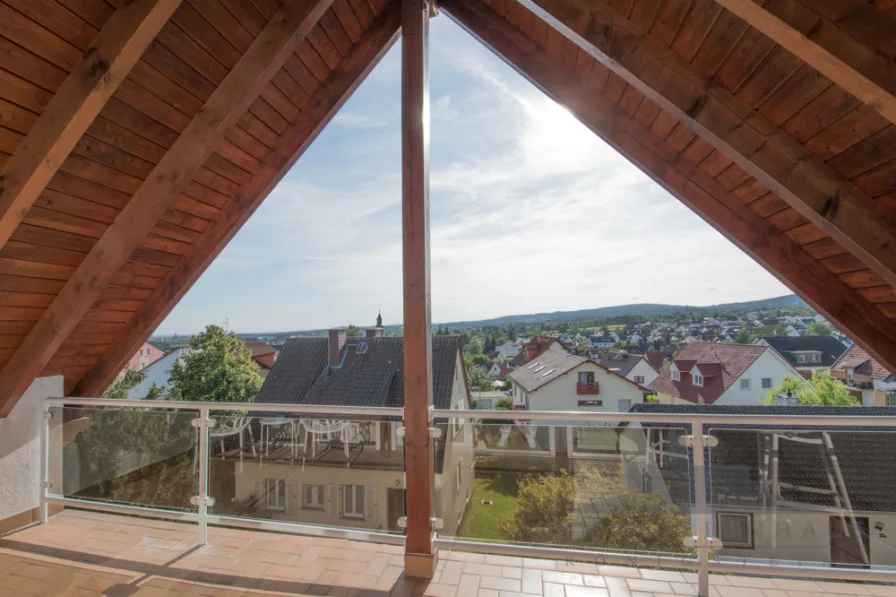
774 158
849 62
286 29
786 260
117 48
322 107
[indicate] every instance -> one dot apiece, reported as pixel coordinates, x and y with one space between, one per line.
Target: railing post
202 500
420 559
45 416
701 518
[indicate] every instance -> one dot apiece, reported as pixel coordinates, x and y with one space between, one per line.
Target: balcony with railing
263 496
585 389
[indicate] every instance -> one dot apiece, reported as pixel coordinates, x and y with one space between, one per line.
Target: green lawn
481 521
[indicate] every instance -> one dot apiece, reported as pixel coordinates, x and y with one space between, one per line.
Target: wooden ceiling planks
204 39
662 161
224 106
324 104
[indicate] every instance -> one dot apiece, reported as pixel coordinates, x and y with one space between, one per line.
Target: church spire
379 319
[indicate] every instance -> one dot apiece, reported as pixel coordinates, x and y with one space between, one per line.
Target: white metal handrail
263 407
707 420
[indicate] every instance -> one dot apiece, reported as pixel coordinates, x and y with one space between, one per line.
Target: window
591 402
800 358
639 379
850 378
745 384
586 377
766 383
891 399
313 497
676 375
354 501
625 405
276 494
457 474
697 379
736 530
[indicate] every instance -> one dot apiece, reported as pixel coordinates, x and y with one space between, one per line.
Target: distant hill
643 309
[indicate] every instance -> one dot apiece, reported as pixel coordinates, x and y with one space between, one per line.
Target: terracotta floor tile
487 593
497 560
463 556
539 564
451 572
469 585
512 572
389 578
501 584
592 580
622 571
532 581
667 575
437 590
650 586
552 589
482 569
566 578
577 591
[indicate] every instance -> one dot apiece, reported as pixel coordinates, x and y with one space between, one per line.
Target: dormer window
697 379
676 376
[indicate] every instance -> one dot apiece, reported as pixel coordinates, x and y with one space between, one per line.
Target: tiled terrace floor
83 554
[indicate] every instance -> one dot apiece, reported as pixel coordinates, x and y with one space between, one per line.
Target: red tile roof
856 358
724 362
657 358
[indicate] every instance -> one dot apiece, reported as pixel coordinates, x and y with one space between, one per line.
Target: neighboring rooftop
621 362
370 372
720 364
788 346
861 363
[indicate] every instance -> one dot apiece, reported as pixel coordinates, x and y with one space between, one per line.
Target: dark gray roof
622 362
830 347
374 377
866 456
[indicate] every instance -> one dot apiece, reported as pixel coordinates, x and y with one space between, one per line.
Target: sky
530 212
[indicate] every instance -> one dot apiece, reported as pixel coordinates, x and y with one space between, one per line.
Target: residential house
601 342
634 367
145 356
351 473
803 521
494 369
659 359
565 382
536 347
726 374
507 351
264 354
867 379
806 353
158 373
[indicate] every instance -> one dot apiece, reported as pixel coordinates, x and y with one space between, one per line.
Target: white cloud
352 119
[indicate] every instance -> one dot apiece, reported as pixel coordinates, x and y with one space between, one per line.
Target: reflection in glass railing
308 469
790 496
137 457
611 487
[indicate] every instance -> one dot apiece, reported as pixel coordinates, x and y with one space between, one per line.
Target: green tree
353 331
507 385
743 336
219 368
122 386
820 390
156 392
480 381
504 404
641 522
544 510
819 329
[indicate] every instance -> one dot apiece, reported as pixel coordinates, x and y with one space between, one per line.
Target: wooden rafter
786 260
774 158
76 104
230 100
321 108
849 62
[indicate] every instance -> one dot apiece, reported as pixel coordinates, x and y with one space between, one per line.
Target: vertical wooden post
420 478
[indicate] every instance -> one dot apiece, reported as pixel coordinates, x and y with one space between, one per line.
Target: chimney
334 352
374 332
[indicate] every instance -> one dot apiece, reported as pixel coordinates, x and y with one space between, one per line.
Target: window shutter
333 501
369 503
291 498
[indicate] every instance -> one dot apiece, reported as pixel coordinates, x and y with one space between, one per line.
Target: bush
544 510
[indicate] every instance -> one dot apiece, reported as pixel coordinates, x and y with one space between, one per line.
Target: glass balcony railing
308 469
598 487
791 495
